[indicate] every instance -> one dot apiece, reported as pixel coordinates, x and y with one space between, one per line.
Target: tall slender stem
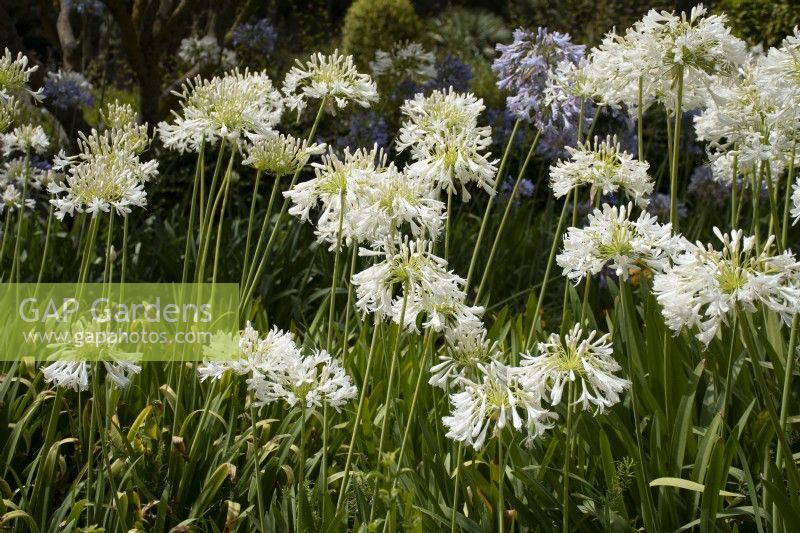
198 184
40 277
676 144
787 200
734 191
501 478
15 268
459 454
499 233
567 459
640 119
490 202
447 223
246 261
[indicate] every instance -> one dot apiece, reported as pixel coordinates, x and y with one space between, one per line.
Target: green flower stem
198 183
244 303
459 460
490 202
389 389
499 233
550 259
47 232
676 145
734 191
15 267
447 224
250 220
787 196
567 458
357 422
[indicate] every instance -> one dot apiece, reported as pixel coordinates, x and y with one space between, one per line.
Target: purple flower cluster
526 188
523 68
67 90
365 130
450 72
259 35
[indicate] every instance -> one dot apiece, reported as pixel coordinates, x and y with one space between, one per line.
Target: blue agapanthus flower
660 205
523 68
450 72
65 90
526 187
89 7
259 35
704 188
365 130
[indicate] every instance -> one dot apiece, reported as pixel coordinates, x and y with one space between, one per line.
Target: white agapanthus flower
9 112
12 199
393 201
705 286
279 154
778 73
107 173
306 380
333 77
496 400
585 360
466 349
795 201
350 177
255 353
15 75
410 275
657 49
28 138
406 61
448 148
75 374
605 168
613 239
200 50
232 107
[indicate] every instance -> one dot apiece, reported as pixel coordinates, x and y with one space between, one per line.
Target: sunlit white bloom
613 239
466 349
779 73
441 112
485 406
340 183
306 380
406 60
15 75
28 138
229 107
333 77
75 374
705 286
409 282
200 50
605 167
393 201
12 199
107 173
121 372
255 353
9 112
279 154
576 358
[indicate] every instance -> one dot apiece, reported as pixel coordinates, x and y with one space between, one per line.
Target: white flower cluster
231 107
108 172
279 154
410 282
448 148
605 167
657 49
613 239
14 77
333 77
704 286
27 138
279 371
405 61
75 375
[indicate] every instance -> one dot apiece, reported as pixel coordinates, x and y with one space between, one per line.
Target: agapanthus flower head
106 173
279 154
256 354
364 130
451 72
410 281
613 239
340 183
584 359
12 199
395 201
333 77
28 139
466 349
229 107
795 201
66 89
9 112
658 49
258 35
75 374
704 286
404 61
305 380
605 167
15 75
196 50
448 148
484 407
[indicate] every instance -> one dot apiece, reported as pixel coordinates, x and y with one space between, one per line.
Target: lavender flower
258 35
523 68
659 207
526 188
450 72
66 89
